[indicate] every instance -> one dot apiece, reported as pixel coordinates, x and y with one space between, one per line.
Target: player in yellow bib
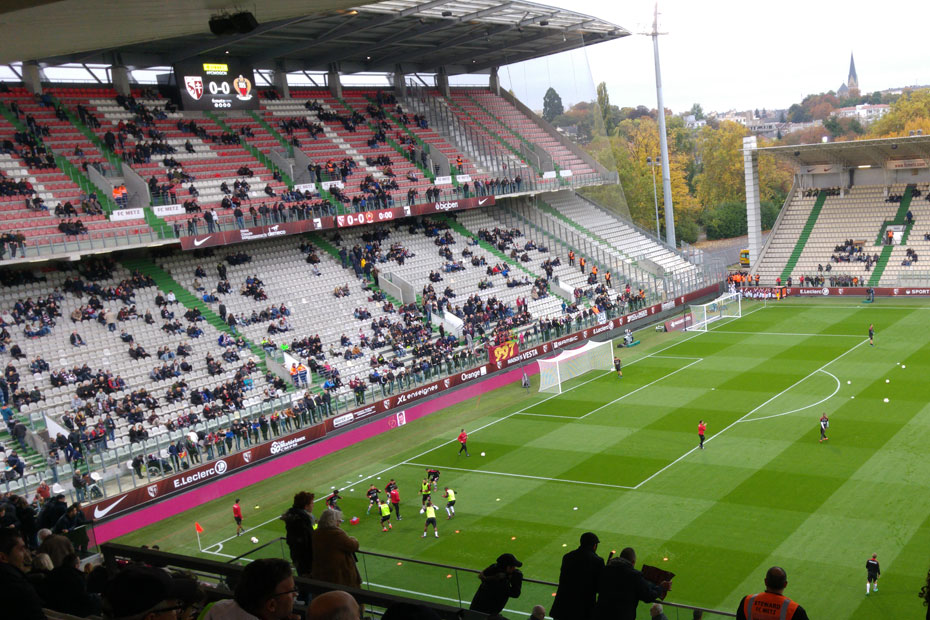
450 502
424 493
430 519
385 509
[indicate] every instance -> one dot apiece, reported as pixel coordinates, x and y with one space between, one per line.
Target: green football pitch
620 458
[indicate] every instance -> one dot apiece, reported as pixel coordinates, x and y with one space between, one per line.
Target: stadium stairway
465 232
491 133
111 157
64 165
509 128
547 208
165 282
803 237
393 143
273 132
887 250
254 152
406 130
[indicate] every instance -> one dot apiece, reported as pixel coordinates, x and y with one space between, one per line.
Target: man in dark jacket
298 522
52 511
20 599
499 582
621 587
578 579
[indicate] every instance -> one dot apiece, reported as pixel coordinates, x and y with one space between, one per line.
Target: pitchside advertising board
206 240
502 358
216 84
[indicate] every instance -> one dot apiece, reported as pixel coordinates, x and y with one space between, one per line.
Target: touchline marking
219 544
841 355
823 400
502 473
720 331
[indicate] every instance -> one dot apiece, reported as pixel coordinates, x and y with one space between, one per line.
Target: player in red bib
701 429
237 515
463 439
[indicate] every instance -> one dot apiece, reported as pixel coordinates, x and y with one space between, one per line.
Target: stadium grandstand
217 248
855 218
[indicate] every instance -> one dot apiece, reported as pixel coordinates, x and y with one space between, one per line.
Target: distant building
864 112
852 82
693 123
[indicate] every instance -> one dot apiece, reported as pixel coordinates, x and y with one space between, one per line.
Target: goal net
726 306
573 363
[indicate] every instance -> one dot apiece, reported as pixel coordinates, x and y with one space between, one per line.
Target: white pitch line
675 344
643 387
680 458
510 475
720 331
823 400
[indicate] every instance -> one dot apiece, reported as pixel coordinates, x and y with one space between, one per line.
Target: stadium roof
858 153
465 36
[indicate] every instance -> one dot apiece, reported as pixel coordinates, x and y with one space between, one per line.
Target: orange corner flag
198 528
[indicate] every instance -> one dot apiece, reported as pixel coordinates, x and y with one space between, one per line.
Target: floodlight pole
663 140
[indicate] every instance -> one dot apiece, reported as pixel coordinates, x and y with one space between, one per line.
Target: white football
887 380
886 400
482 454
849 383
254 540
903 365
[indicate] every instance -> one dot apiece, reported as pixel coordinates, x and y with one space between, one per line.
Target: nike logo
481 201
99 514
202 241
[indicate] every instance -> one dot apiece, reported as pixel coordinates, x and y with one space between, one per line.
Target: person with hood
298 522
499 582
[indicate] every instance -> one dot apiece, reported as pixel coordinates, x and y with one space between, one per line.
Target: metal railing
449 584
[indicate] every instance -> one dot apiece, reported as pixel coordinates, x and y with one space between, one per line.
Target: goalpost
573 363
725 306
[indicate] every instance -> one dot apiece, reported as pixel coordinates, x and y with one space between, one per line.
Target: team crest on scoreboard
194 85
243 88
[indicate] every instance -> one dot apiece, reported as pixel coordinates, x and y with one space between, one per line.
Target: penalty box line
526 476
743 418
219 544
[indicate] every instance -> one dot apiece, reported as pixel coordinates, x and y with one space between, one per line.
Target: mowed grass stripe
708 512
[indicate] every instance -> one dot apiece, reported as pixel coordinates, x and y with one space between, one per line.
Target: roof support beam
352 26
444 24
227 41
571 43
485 33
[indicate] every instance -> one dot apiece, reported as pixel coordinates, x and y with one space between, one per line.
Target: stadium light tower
663 140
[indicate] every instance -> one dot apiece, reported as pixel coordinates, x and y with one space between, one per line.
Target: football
254 540
482 454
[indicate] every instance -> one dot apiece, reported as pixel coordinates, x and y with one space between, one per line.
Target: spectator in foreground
925 591
333 605
298 521
771 603
149 593
621 588
499 582
20 599
334 552
578 579
266 591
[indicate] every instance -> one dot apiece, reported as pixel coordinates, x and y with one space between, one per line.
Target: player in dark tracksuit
871 334
873 572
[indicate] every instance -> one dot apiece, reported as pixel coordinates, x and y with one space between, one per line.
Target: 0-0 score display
216 85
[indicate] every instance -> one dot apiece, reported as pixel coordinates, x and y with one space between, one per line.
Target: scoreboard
225 84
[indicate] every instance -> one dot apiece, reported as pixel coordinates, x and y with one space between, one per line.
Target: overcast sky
734 54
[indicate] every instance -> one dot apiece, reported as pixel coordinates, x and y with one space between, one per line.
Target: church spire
853 82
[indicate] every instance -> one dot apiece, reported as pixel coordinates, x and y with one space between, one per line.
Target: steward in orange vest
771 604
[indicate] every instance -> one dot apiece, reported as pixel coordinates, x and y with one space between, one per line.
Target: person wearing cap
266 591
621 587
145 593
499 581
19 596
581 570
